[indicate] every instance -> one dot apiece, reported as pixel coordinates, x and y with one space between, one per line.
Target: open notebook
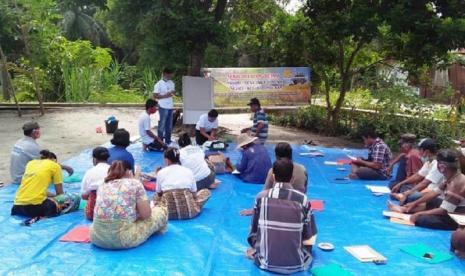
378 189
365 253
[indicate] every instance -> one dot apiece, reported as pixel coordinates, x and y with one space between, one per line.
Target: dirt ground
69 131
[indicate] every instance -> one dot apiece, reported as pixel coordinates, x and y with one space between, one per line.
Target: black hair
213 113
283 149
167 70
101 154
150 103
282 170
184 140
172 154
121 138
46 154
449 157
28 132
369 132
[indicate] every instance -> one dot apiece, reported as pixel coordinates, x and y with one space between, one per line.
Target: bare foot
397 196
246 212
215 184
250 252
353 176
395 208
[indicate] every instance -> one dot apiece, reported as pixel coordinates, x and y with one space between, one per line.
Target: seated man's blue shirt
121 154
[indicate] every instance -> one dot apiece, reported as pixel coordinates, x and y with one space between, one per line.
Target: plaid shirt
282 220
379 152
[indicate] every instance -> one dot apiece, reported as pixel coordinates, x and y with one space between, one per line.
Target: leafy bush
116 95
387 125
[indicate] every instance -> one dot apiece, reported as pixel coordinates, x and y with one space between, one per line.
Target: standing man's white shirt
203 122
94 177
144 125
163 87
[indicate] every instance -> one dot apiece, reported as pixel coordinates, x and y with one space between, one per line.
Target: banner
272 86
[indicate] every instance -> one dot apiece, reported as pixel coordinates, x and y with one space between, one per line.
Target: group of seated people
428 185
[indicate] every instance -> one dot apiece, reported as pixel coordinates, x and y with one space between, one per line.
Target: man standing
25 150
164 92
150 141
260 122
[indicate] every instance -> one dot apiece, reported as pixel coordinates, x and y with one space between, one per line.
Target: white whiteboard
197 98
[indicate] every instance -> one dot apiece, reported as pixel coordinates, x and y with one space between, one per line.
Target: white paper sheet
396 215
460 219
378 189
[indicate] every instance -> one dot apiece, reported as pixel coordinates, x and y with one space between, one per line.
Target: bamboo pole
9 85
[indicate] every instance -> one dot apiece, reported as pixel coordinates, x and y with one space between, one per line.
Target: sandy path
69 131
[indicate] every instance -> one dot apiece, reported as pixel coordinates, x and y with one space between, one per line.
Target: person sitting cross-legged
254 163
33 198
299 173
283 229
409 159
379 156
193 158
177 188
424 180
123 217
93 178
432 209
457 244
121 140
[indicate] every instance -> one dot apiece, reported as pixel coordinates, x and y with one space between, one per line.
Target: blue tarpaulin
214 243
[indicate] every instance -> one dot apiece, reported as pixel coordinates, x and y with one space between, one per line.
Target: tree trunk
24 36
197 57
334 114
7 87
5 84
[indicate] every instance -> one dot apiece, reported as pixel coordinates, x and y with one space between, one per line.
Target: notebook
317 205
378 189
427 254
365 253
401 221
391 214
79 234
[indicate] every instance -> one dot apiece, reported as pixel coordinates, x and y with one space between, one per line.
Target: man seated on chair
379 156
283 230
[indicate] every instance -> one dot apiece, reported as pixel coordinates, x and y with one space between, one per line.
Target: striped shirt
282 221
260 117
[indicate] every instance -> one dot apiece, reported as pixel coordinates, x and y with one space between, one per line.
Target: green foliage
387 125
116 94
